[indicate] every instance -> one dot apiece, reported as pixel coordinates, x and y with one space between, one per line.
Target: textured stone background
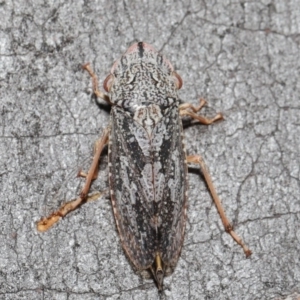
243 57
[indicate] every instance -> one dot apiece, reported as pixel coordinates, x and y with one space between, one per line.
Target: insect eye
177 80
108 82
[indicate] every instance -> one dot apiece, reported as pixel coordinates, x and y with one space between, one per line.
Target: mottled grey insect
147 160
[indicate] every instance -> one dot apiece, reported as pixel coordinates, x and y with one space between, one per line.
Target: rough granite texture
243 57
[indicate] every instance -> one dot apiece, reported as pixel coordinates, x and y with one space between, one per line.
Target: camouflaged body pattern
147 161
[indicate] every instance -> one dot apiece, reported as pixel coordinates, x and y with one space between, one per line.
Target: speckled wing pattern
148 185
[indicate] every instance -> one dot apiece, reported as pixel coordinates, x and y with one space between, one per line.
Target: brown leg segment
188 109
228 227
94 167
85 175
96 91
45 223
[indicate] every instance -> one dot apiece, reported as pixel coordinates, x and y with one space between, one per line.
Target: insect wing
148 186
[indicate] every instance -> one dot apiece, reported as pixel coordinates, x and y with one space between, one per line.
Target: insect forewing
148 179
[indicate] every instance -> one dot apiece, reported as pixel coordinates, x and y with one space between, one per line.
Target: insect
146 160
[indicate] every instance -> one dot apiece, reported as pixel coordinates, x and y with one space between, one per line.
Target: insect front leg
96 91
188 109
228 227
45 223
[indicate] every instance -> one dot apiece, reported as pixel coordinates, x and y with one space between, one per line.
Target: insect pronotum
147 160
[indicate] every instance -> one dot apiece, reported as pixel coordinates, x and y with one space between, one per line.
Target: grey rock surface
243 57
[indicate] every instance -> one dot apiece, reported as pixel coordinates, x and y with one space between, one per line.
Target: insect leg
194 109
83 174
45 223
228 227
96 91
94 167
188 109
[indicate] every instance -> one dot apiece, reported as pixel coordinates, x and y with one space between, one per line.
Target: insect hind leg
228 227
187 109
